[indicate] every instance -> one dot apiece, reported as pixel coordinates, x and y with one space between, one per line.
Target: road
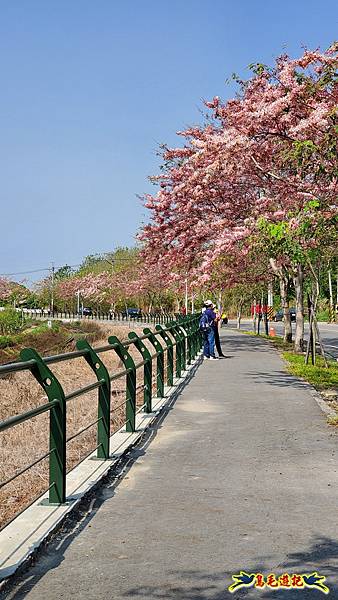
329 333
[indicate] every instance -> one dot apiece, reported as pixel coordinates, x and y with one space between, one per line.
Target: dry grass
27 441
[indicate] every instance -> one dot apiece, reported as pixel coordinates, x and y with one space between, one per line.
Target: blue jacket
210 314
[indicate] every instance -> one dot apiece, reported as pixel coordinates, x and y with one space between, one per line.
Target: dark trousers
217 341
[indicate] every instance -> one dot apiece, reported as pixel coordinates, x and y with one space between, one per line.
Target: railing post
57 425
182 352
147 370
185 326
170 354
184 337
104 395
194 337
198 335
176 335
129 365
192 331
159 362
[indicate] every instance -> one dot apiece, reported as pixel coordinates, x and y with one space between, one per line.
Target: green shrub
10 321
323 315
5 341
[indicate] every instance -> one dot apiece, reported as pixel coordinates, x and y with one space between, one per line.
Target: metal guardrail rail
151 317
183 335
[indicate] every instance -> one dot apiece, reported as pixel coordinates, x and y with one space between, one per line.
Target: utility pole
270 294
186 295
52 290
78 301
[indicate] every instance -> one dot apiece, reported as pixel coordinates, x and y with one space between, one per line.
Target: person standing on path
206 323
216 332
224 320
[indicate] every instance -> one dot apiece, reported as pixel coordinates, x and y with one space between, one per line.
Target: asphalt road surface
329 332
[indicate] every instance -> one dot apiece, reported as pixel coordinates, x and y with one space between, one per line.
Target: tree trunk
283 286
239 317
298 280
314 300
239 312
332 315
311 343
254 316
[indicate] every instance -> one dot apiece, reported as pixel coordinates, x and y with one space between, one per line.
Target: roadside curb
323 405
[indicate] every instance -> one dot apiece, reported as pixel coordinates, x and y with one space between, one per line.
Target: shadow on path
277 378
242 342
321 556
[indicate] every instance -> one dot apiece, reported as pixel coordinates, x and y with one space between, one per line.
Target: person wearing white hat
216 331
206 325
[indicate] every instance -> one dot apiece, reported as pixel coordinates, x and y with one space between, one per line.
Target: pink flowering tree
5 289
265 155
97 288
12 292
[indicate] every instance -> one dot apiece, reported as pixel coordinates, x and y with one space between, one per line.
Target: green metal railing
98 315
182 335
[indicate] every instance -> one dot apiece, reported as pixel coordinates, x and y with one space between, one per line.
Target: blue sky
89 90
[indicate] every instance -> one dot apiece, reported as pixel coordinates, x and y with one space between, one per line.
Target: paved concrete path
241 474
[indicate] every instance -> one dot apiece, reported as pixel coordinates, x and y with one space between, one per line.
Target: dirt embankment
19 392
61 338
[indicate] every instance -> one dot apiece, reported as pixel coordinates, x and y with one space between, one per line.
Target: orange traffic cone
272 332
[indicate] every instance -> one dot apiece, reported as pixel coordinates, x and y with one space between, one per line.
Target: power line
35 271
56 268
24 272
